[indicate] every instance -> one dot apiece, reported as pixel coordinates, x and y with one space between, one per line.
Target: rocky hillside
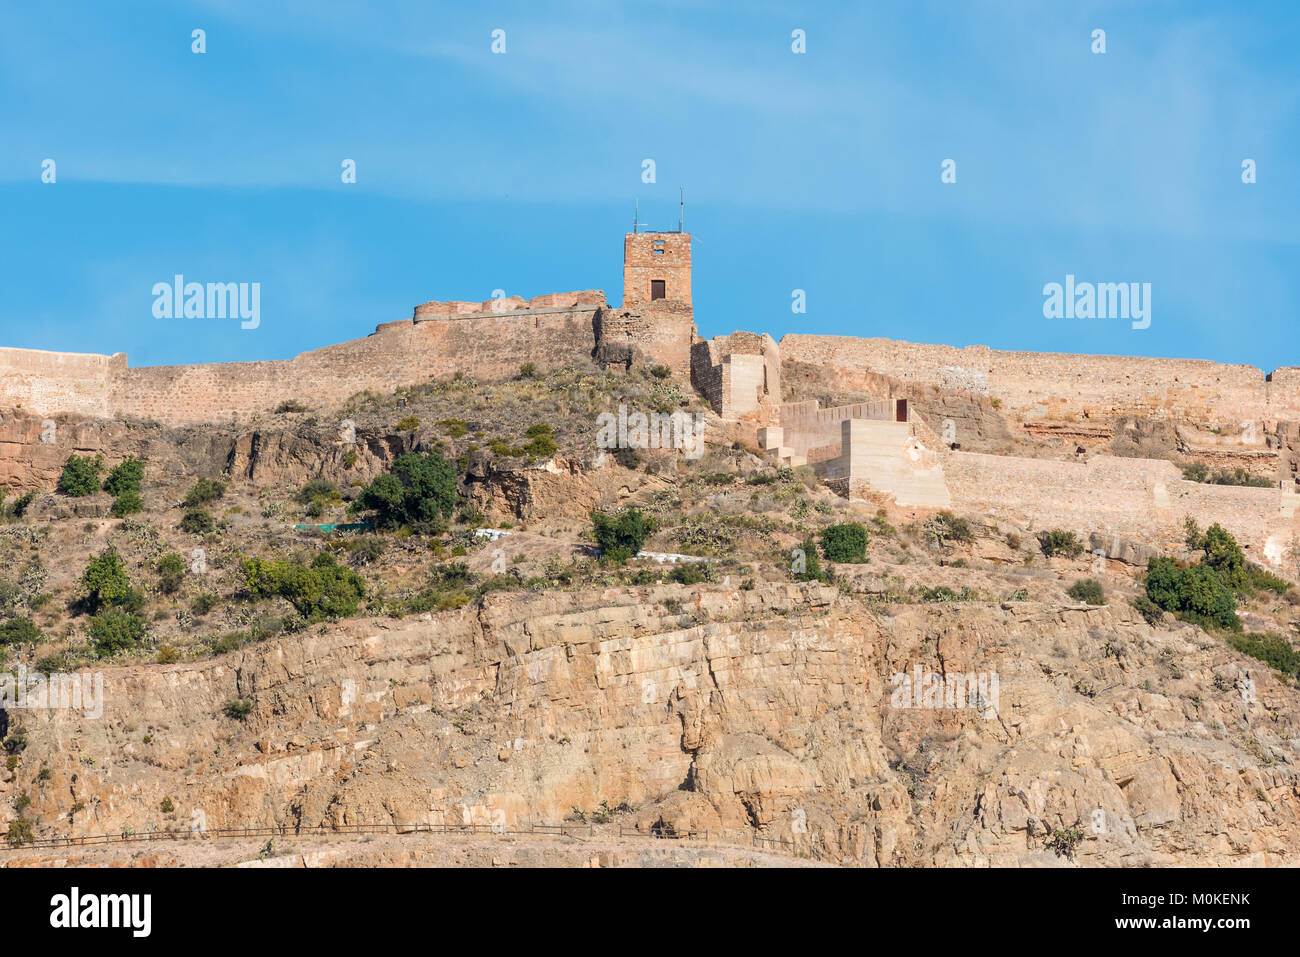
523 681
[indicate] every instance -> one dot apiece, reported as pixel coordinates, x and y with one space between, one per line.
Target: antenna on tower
681 215
636 213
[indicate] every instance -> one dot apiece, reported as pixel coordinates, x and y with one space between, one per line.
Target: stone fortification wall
1057 386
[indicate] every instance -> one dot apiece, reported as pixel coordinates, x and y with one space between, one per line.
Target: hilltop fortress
1033 439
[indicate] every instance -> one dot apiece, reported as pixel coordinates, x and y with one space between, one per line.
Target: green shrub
203 491
408 424
322 590
948 528
203 604
20 631
1274 650
660 371
454 428
105 581
19 506
1149 610
127 503
1198 472
541 442
1060 542
112 631
812 566
197 521
368 548
171 572
316 488
621 537
691 573
125 477
1199 593
80 475
846 542
238 710
419 491
528 370
1087 590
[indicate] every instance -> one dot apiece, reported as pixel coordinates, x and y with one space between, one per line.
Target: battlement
587 299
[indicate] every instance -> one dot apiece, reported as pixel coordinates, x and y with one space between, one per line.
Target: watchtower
656 265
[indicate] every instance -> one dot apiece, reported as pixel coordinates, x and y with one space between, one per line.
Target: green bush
19 506
455 428
1087 590
947 527
171 572
846 542
113 631
409 423
1198 593
621 537
812 566
80 475
1274 650
691 573
197 521
105 581
1152 613
205 490
238 710
541 442
322 590
419 491
126 477
20 631
127 503
1060 542
1198 472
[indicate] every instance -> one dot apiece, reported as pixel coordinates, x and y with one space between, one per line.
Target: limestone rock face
785 710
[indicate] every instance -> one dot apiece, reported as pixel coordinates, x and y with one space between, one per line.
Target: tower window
657 290
658 247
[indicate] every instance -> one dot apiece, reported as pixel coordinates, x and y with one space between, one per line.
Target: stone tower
656 266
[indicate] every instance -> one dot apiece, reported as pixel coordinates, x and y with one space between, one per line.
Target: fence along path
570 830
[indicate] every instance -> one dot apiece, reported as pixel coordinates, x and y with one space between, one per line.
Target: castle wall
739 374
1143 499
1032 385
401 353
661 331
46 383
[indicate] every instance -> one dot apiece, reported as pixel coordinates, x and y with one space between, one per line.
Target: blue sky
518 171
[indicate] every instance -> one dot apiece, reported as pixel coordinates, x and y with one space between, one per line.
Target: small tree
80 476
105 581
620 538
125 477
420 490
113 631
127 503
171 571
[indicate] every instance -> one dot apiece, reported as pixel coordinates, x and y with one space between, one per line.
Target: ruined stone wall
1064 387
401 353
47 383
662 332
